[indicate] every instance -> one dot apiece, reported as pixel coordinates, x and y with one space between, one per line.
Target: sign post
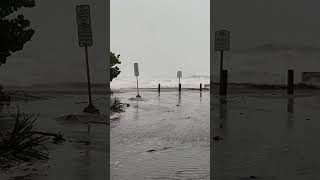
136 73
179 75
222 43
85 40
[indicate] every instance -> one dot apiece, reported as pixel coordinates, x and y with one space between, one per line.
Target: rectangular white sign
84 25
136 69
179 74
222 40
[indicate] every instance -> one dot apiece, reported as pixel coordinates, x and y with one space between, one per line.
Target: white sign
179 74
222 40
136 69
84 25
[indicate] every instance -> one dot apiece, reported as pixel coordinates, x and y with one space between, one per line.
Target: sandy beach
83 155
266 135
161 137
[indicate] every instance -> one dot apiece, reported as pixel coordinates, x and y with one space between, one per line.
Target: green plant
21 144
116 106
114 70
14 31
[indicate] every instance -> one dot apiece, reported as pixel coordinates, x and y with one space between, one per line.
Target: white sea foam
131 82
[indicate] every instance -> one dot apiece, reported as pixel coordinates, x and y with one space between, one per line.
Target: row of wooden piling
159 88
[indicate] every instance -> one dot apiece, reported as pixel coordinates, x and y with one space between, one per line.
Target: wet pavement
161 137
82 156
266 135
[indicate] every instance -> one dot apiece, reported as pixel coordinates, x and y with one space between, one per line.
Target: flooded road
162 137
266 136
82 156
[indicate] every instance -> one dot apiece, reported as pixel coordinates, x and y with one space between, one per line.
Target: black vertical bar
88 75
179 87
138 87
290 87
107 15
224 84
221 74
225 81
158 88
200 87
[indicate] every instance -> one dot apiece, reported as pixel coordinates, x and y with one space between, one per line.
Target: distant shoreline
174 89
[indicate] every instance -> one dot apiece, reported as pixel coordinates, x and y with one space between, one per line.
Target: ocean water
267 66
170 82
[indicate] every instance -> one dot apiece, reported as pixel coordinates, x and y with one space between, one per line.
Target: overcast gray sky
162 35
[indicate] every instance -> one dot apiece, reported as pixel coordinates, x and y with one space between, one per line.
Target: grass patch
116 106
21 144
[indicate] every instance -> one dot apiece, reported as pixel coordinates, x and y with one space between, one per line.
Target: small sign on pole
222 40
222 43
136 69
179 74
136 73
84 25
85 40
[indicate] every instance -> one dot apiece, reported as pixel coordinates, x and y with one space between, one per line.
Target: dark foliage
114 70
14 32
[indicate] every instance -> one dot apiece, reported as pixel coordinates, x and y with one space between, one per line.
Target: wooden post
179 87
224 83
200 87
221 73
290 86
159 88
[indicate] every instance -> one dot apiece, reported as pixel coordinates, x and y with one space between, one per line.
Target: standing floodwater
161 137
266 134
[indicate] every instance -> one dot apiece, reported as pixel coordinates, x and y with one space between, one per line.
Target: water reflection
179 99
290 110
85 165
1 107
158 98
218 148
200 96
223 114
137 111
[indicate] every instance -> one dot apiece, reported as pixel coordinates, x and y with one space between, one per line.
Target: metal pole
225 82
88 75
137 87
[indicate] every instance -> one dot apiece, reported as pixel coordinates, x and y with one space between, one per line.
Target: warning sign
84 25
222 40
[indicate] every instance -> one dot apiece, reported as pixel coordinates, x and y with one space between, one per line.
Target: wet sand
83 155
266 135
161 137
